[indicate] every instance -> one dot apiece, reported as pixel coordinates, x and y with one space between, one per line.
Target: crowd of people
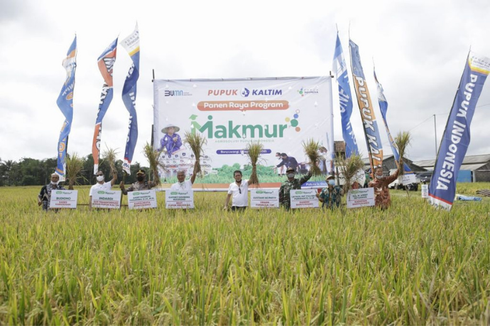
237 193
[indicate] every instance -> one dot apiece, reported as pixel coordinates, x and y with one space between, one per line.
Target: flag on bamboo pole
456 138
383 108
106 63
132 45
371 131
65 103
345 100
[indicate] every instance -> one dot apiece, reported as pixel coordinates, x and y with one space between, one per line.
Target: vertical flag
383 108
371 131
456 139
106 63
65 103
345 99
132 45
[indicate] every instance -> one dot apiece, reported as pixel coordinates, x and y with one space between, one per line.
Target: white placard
408 179
264 198
425 191
106 199
360 197
304 198
179 199
63 199
142 199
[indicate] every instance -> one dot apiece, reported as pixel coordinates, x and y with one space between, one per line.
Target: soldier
291 183
141 184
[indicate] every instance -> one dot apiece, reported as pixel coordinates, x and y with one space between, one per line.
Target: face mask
290 175
331 182
380 177
140 178
100 178
54 183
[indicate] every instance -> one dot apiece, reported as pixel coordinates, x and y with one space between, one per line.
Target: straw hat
165 130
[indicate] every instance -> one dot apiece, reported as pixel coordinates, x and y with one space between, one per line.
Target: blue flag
456 138
65 103
106 63
383 108
132 45
371 131
345 100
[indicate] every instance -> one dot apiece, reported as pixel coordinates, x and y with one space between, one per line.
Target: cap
329 177
171 125
290 170
140 171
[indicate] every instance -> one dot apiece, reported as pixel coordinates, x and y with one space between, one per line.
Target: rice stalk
196 142
311 148
110 156
153 157
402 140
74 167
349 168
253 151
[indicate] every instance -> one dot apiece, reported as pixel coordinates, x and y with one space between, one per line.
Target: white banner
304 198
142 199
360 197
408 179
63 199
106 199
179 199
281 113
264 198
424 190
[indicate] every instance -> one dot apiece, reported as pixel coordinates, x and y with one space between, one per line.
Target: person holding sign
239 191
101 185
45 195
380 184
289 184
140 184
331 195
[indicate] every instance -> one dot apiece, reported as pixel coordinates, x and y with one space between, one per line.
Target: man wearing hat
331 195
291 183
141 183
171 141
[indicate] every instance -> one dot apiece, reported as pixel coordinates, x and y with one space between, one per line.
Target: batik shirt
45 194
381 192
331 197
285 190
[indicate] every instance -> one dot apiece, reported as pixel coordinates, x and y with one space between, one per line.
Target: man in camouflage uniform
290 183
141 183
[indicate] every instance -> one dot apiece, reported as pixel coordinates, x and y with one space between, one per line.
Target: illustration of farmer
171 141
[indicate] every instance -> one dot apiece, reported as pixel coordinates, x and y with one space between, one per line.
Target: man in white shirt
239 191
183 184
101 185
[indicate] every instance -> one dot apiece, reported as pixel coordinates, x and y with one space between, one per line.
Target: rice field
409 265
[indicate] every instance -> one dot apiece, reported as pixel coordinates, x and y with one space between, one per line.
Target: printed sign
425 191
280 113
63 199
142 199
360 197
304 198
264 198
179 199
106 199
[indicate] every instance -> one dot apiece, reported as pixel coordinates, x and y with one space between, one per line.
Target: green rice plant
402 140
196 142
110 155
153 156
349 168
311 148
74 167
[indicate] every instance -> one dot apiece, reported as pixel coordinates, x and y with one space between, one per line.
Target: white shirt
184 186
239 194
105 186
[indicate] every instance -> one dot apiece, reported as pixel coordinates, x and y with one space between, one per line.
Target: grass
410 264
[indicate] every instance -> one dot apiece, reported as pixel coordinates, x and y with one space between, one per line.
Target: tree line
31 172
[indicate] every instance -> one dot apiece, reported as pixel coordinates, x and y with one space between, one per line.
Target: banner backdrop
281 113
456 138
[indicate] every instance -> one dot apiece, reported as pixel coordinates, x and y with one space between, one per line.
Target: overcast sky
419 48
